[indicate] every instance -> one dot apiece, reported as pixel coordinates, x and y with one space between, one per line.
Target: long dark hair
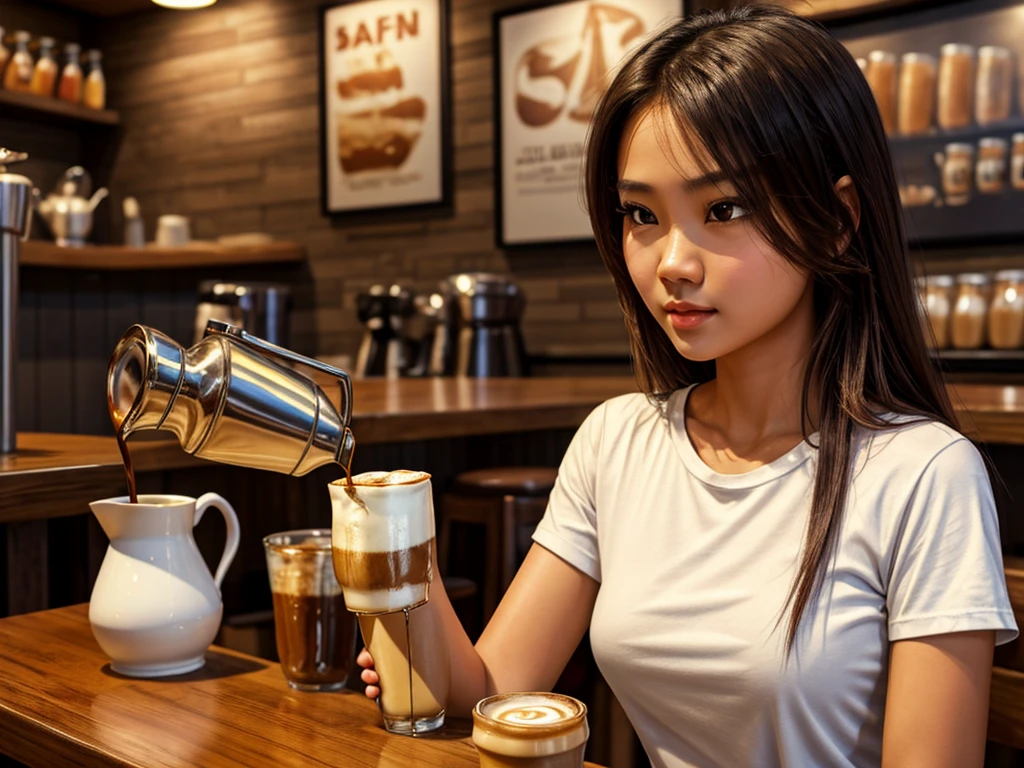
783 110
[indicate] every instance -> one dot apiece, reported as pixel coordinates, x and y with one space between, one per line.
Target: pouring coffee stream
232 398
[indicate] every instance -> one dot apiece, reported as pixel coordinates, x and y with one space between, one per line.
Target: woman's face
706 275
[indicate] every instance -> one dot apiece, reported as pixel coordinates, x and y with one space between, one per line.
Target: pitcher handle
231 519
219 327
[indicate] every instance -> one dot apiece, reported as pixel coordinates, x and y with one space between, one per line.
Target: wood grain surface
61 705
39 253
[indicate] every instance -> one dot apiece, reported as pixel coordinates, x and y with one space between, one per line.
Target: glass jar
917 93
994 85
991 170
44 76
1006 313
1017 162
881 76
70 86
956 85
937 306
18 75
95 92
956 165
970 311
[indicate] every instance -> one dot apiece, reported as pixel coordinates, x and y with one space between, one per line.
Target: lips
685 316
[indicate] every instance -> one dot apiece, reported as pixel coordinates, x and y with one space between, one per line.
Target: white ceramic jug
155 609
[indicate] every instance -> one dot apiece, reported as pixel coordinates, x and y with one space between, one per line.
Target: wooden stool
501 500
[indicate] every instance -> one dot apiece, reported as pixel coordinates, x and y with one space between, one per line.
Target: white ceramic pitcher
155 609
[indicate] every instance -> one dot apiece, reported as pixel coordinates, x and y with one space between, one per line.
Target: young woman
784 551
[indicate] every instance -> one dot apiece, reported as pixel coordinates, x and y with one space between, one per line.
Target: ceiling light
184 4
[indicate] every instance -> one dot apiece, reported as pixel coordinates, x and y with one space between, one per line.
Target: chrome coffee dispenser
232 398
489 308
15 219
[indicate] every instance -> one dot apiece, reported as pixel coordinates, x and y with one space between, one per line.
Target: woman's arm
936 713
526 644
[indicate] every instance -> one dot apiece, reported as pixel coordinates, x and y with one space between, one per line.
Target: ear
848 194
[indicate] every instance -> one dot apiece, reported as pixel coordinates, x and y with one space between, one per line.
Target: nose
681 259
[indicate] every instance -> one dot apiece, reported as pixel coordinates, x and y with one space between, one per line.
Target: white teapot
155 608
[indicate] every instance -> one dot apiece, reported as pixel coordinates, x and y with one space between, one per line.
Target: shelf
970 134
30 105
979 360
37 253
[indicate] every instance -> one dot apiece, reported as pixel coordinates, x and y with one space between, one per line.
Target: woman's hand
368 676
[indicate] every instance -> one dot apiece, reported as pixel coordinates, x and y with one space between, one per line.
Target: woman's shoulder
912 444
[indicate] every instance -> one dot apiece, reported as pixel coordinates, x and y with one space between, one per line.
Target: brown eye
725 211
637 214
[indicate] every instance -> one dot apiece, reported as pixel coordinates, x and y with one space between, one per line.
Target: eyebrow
689 185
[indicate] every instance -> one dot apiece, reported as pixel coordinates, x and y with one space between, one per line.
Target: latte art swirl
538 714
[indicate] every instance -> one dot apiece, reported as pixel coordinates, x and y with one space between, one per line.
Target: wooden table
60 705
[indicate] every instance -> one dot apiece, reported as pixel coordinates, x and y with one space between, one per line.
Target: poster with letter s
554 64
385 127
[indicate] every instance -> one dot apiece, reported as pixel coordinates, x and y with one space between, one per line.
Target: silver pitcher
231 398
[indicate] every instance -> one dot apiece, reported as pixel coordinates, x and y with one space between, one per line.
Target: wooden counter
56 475
61 705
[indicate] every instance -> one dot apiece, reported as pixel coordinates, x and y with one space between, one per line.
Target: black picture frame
500 131
437 206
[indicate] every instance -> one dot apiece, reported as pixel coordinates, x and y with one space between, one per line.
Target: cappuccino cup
315 634
530 730
383 540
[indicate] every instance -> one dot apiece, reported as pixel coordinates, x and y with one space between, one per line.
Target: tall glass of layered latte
383 545
530 730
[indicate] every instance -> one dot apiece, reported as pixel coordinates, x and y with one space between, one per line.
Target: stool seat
507 481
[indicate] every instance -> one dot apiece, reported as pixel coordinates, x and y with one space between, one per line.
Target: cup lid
973 278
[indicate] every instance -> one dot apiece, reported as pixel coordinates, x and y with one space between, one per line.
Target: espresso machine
489 308
15 219
384 312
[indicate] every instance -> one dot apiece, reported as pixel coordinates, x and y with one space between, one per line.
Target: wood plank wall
221 123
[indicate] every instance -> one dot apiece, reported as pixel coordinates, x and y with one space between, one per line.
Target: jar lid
918 58
993 52
886 56
957 49
1015 275
960 147
1018 138
973 278
940 281
991 142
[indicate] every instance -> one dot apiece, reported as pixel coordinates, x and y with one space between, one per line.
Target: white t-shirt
695 566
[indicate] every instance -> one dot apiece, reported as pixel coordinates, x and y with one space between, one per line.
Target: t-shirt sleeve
947 574
569 526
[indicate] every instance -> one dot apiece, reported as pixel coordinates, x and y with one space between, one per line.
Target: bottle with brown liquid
881 76
1006 314
994 85
956 86
70 86
1017 162
937 309
18 76
44 76
916 93
970 311
95 93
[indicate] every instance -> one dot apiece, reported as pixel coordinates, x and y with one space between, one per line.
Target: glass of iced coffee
316 635
383 539
530 730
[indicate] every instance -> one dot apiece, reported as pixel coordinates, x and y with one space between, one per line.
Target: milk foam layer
383 512
529 724
305 576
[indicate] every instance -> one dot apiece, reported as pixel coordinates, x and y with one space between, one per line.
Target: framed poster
553 65
385 123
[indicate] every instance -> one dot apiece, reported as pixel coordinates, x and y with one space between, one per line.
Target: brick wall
221 123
